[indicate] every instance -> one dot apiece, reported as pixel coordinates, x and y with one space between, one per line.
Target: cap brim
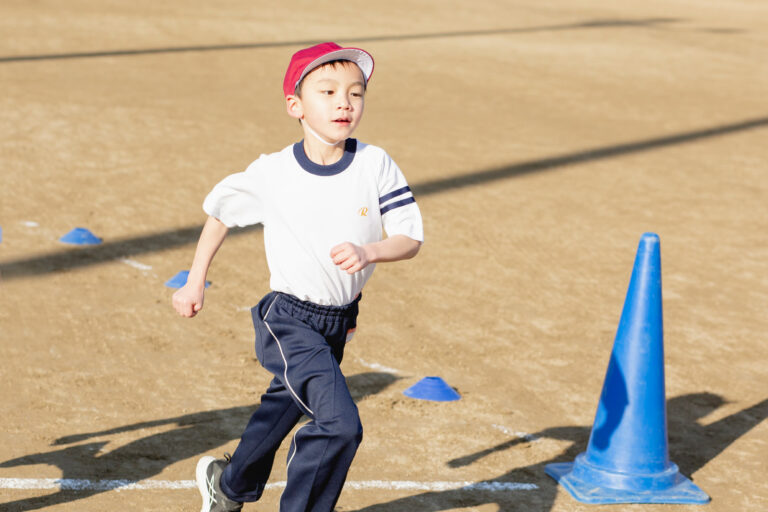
360 57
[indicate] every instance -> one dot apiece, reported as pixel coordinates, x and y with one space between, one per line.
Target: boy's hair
333 64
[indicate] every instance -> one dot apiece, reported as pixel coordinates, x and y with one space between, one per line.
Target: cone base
683 492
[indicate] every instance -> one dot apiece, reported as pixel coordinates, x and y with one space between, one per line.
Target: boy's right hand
188 300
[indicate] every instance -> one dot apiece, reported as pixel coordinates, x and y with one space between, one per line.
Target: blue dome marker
180 279
80 236
432 388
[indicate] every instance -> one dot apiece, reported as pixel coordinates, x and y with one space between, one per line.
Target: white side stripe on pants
285 361
295 447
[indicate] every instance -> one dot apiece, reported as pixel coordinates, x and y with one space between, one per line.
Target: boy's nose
344 103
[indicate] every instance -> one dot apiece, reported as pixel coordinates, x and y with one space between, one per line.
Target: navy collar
350 147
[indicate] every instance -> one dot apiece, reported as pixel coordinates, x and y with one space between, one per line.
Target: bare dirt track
541 140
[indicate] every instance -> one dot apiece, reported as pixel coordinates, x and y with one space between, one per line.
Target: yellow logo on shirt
363 211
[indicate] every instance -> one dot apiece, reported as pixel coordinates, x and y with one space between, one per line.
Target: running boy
323 203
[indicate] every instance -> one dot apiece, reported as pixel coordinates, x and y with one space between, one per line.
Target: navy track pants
301 344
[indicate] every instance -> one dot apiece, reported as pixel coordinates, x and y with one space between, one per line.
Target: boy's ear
293 106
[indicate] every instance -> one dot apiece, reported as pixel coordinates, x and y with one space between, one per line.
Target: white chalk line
76 484
136 264
377 366
531 438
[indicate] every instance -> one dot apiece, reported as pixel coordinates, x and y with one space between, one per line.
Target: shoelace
211 490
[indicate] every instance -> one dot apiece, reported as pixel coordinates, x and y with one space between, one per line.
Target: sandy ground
541 138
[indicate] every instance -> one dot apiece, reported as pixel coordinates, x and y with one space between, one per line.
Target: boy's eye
326 91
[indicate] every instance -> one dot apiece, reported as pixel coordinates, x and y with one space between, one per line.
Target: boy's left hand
350 257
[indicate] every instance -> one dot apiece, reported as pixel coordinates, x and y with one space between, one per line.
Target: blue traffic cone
627 458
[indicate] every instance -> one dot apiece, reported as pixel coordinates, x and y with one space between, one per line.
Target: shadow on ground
187 437
589 24
692 445
112 250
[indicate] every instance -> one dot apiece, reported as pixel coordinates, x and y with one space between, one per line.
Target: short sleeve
400 214
235 200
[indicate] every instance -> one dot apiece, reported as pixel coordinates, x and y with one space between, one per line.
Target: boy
323 203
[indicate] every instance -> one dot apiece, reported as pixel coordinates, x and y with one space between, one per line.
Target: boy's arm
354 258
188 299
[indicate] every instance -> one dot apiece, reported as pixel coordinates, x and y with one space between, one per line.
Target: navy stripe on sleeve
386 197
398 204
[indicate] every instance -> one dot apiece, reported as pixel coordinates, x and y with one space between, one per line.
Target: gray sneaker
208 476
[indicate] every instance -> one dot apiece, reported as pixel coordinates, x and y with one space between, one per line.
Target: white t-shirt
307 209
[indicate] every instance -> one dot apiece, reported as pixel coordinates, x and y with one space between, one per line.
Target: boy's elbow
414 249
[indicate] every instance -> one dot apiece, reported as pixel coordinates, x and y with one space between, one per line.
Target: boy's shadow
692 445
190 435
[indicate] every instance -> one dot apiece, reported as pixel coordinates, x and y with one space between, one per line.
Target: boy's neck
323 154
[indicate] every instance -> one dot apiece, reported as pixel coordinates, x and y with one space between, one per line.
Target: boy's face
332 100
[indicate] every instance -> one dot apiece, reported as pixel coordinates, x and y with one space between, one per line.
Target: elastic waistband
311 307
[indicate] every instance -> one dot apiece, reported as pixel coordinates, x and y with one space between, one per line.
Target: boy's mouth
342 120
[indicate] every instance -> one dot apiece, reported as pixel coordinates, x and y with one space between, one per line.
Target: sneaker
208 476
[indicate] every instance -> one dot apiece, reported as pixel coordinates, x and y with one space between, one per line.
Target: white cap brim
363 59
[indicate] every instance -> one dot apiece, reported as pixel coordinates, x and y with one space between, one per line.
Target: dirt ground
541 139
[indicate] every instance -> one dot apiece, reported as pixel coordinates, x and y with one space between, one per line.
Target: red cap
308 59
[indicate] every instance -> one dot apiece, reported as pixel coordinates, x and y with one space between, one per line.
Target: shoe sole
201 477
